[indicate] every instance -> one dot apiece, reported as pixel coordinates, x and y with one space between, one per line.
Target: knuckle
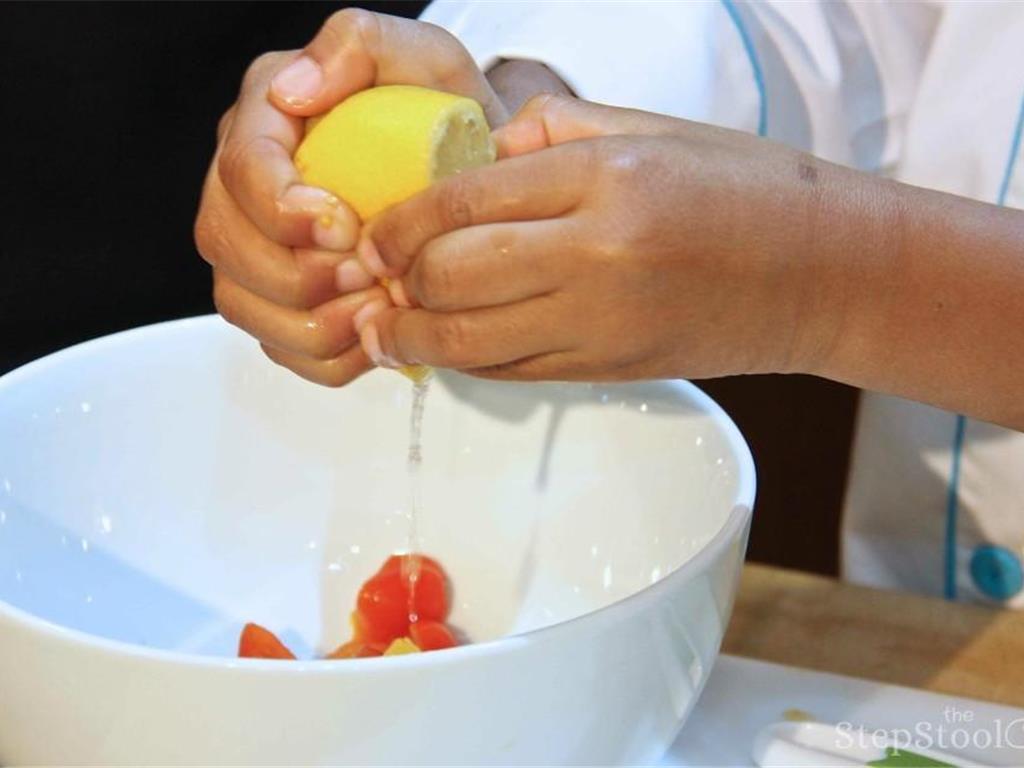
223 302
540 102
537 102
389 237
298 289
325 337
614 245
452 340
349 23
340 372
231 163
209 235
436 283
238 160
455 203
333 379
446 42
319 345
224 123
451 61
271 355
547 103
621 162
259 68
307 282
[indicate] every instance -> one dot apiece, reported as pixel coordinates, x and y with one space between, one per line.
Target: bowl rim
734 525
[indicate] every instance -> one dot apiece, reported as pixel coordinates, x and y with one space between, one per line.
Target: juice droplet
411 566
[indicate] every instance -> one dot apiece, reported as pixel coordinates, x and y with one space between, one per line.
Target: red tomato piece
383 605
431 635
256 642
361 632
430 592
395 562
353 649
431 588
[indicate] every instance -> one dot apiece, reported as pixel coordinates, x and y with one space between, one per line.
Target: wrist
516 81
832 228
854 247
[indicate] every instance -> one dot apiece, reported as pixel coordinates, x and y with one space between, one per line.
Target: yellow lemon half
383 145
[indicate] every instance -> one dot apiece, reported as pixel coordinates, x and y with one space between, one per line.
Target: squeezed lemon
385 144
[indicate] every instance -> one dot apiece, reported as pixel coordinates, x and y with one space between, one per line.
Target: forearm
927 298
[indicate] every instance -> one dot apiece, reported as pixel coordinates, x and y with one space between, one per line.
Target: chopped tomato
385 604
383 607
257 642
353 649
397 562
431 635
407 599
430 595
361 632
430 586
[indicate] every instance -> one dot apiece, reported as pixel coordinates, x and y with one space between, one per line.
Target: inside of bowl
164 486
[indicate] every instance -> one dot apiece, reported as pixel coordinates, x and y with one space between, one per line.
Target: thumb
549 119
357 49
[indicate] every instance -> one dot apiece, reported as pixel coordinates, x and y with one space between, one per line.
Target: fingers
225 122
322 333
555 366
506 191
335 372
357 49
227 240
254 163
475 339
488 265
352 276
547 120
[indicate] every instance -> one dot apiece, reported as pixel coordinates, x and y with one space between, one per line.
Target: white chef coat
930 93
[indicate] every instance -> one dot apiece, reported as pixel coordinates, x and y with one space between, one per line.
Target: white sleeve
680 59
834 78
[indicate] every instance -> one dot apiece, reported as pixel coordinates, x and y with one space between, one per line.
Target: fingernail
298 83
396 290
366 313
371 346
330 233
352 276
299 198
370 256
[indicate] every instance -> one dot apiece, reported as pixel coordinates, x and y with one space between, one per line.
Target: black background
109 111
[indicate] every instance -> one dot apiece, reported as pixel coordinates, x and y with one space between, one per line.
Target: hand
608 245
275 243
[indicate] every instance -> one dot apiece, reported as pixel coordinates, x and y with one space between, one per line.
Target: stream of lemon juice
414 461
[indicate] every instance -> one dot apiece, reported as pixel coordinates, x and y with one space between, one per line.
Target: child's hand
616 245
275 243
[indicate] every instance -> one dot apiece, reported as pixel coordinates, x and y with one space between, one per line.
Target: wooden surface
820 623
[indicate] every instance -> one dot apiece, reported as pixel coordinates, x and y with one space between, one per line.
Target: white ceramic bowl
160 487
